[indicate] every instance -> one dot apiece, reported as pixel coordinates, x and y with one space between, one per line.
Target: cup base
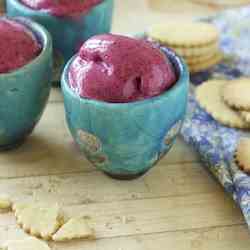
56 84
126 177
14 145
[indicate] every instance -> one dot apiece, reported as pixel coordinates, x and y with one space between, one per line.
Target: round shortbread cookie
237 94
242 155
225 3
245 115
198 51
201 59
184 34
201 66
209 97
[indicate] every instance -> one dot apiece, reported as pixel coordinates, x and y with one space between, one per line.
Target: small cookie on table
39 220
28 243
75 228
5 204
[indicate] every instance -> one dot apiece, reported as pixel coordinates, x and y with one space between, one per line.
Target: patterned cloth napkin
216 143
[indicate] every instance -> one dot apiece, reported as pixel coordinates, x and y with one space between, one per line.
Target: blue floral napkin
215 143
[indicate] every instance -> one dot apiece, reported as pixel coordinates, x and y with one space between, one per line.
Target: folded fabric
214 142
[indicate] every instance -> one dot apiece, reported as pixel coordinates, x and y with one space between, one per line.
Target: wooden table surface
178 205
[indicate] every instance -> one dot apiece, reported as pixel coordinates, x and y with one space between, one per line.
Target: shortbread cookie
245 115
29 243
75 228
201 66
225 3
209 96
237 94
201 59
39 220
242 155
184 34
196 51
5 204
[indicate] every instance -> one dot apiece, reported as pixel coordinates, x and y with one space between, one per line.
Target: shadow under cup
25 91
126 140
68 33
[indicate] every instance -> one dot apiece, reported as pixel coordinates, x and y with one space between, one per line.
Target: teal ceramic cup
126 140
25 91
68 33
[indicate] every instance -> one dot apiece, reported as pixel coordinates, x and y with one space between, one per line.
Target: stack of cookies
196 42
227 101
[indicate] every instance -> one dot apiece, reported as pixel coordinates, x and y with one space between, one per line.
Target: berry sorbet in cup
70 23
25 78
125 102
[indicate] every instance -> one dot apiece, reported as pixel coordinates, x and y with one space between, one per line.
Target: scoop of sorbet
119 69
18 45
62 7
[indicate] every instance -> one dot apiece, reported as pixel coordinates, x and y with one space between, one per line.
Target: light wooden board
145 216
72 189
228 237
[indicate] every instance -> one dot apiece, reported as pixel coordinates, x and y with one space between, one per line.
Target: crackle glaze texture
24 92
126 140
68 32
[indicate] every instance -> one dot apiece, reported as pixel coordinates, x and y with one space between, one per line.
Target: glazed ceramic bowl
25 91
126 140
68 33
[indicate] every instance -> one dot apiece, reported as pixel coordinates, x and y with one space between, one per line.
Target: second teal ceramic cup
68 33
25 91
126 140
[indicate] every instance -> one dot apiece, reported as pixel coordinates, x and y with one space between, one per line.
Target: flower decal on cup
99 160
172 133
169 138
90 142
92 147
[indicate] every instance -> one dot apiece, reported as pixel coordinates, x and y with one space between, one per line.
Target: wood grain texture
76 189
146 216
223 238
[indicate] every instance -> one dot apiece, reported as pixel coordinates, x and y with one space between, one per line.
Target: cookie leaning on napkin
228 102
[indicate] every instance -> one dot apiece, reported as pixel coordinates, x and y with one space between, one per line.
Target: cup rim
25 8
46 45
182 80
